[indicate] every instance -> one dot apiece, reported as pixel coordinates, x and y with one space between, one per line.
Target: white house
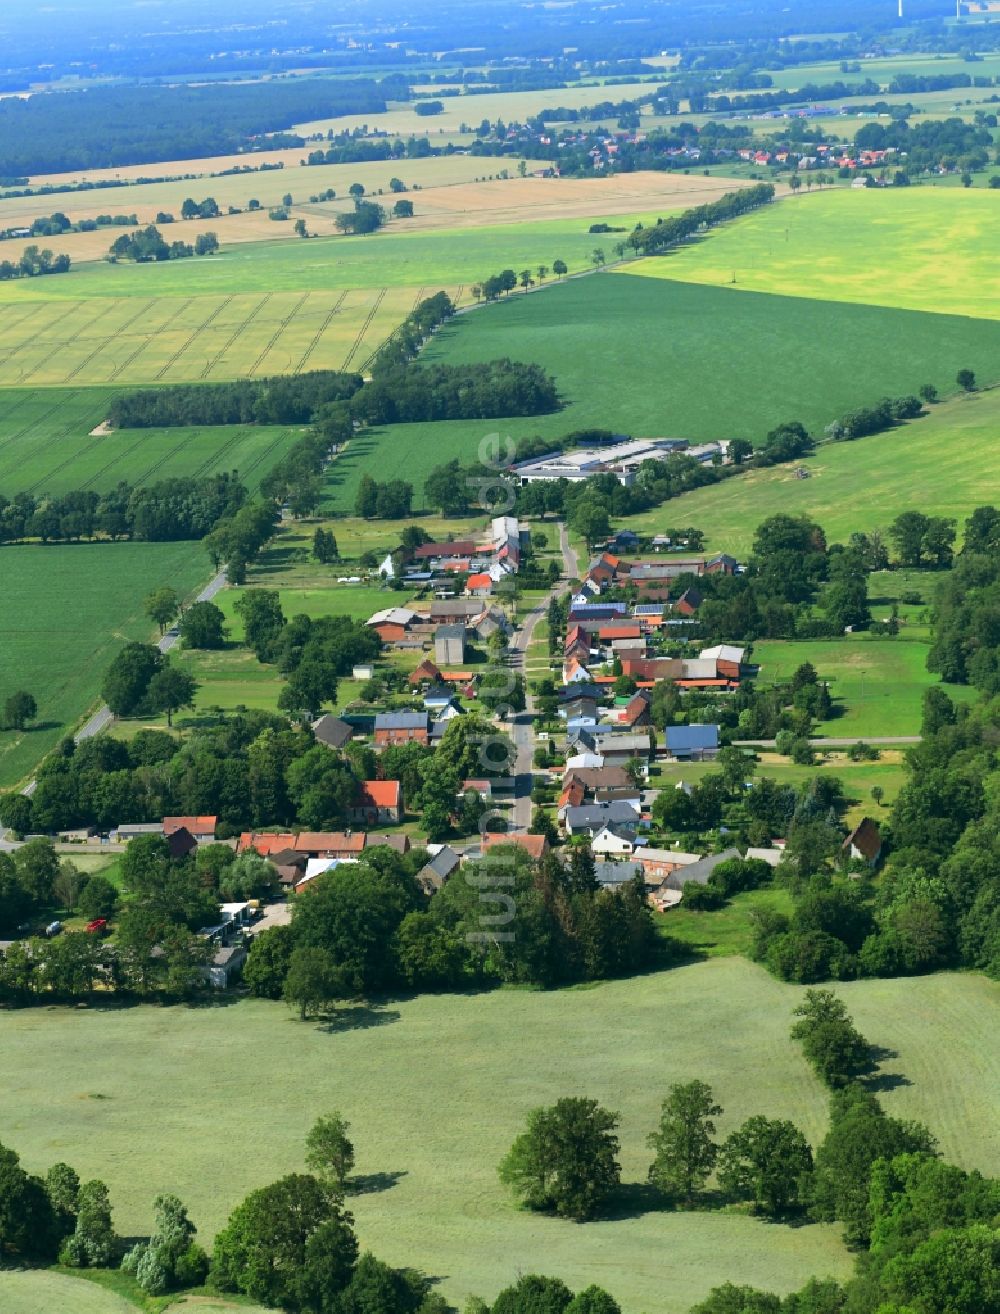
613 842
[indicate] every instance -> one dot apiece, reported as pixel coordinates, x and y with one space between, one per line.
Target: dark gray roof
699 871
692 738
618 813
401 721
443 863
612 874
450 632
332 731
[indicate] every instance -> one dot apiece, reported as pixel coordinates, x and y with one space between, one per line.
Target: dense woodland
285 399
102 127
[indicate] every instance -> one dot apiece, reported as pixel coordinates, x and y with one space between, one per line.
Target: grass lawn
942 464
725 932
418 1080
877 683
654 357
67 611
857 778
919 248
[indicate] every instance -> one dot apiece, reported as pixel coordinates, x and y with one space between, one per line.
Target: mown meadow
419 1079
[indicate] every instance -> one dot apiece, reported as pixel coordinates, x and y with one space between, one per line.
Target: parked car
53 928
98 926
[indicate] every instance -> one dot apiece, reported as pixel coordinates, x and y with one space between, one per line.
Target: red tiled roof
380 794
264 844
425 671
619 632
536 845
320 840
194 825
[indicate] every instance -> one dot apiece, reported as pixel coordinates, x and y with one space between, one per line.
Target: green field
653 357
857 779
416 259
918 248
43 1292
67 609
140 337
419 1082
877 683
47 445
943 464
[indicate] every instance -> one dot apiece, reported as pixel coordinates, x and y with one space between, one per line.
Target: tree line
668 232
284 399
367 929
34 263
494 389
148 244
103 127
168 511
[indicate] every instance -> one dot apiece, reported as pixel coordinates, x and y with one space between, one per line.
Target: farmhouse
444 611
692 743
864 844
728 659
698 871
330 844
591 818
536 846
401 728
614 842
657 864
393 624
332 731
379 801
426 673
444 862
201 829
613 875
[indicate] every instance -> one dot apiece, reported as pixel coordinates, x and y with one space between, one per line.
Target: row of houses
483 564
449 626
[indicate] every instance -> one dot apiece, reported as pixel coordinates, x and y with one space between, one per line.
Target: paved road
103 717
522 726
571 563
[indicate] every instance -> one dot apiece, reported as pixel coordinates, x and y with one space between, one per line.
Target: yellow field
511 106
459 196
518 200
173 339
917 248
